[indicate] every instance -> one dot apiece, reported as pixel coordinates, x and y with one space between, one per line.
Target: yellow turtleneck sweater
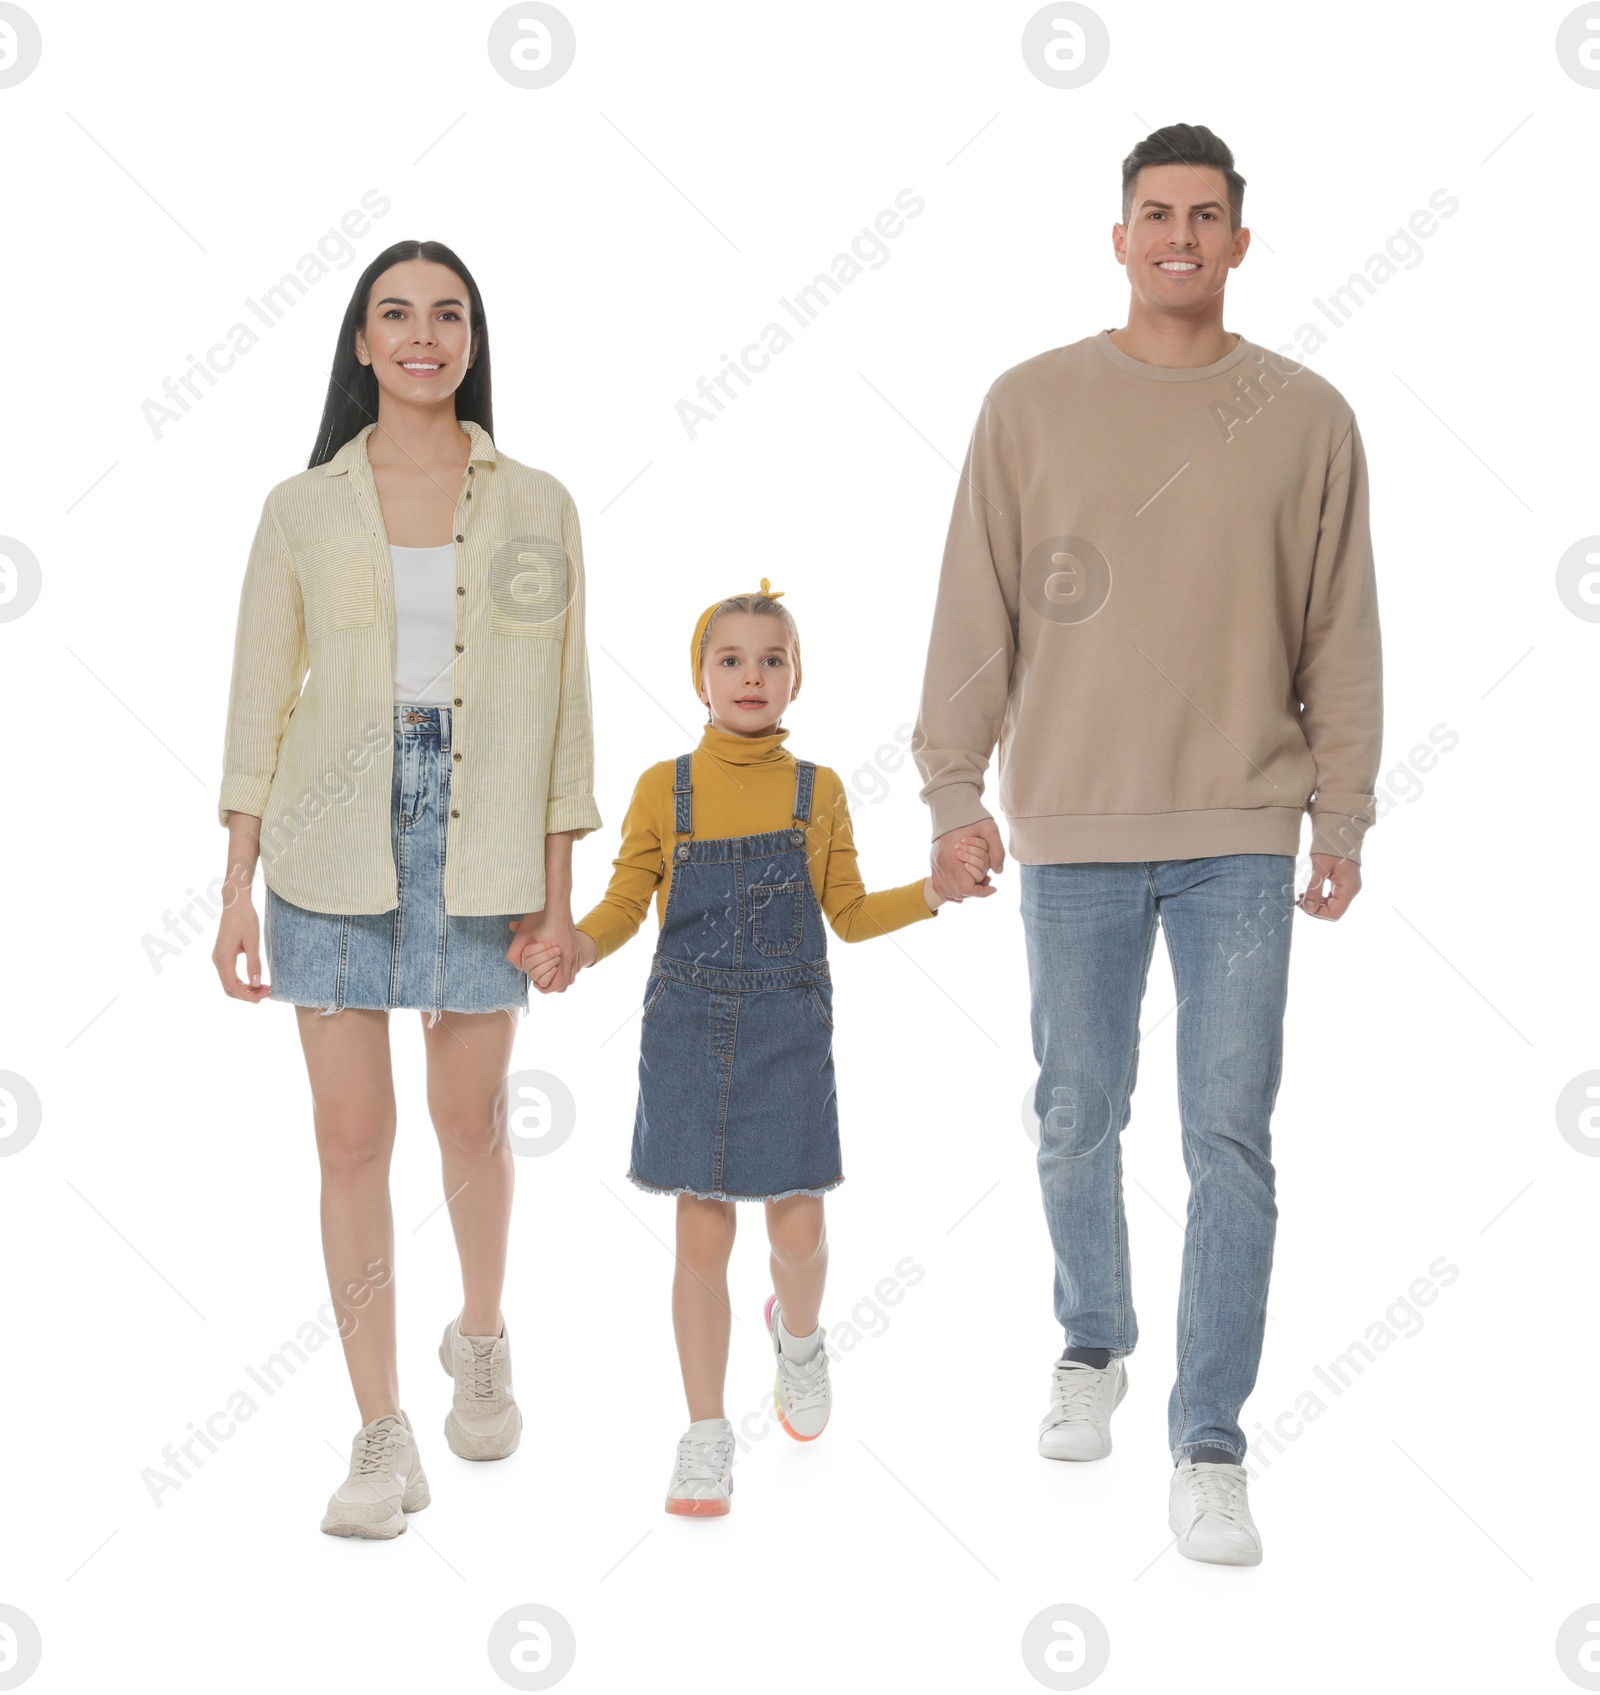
744 785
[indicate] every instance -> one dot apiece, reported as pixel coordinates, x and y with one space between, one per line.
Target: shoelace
481 1384
1214 1490
1072 1386
804 1383
372 1449
702 1461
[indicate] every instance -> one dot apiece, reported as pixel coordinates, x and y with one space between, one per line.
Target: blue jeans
1090 933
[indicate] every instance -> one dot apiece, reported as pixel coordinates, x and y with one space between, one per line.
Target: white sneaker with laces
801 1391
702 1474
484 1422
385 1483
1082 1400
1209 1512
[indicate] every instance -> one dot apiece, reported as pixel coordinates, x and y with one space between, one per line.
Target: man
1158 594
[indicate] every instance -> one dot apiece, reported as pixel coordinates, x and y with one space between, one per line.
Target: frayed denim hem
327 1010
723 1195
517 1009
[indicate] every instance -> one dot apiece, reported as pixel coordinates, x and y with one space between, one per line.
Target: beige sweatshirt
1158 596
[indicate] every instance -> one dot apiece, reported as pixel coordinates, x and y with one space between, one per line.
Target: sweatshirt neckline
745 750
1168 373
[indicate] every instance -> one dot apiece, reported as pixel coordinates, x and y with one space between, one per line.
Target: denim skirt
417 955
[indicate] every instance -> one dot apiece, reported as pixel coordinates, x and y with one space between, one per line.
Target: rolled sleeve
269 669
571 803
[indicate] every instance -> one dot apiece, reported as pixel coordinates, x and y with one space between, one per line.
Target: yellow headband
704 620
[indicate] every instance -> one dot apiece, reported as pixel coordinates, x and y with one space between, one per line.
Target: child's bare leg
701 1316
799 1239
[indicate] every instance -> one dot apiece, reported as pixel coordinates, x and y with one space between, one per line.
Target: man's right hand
950 878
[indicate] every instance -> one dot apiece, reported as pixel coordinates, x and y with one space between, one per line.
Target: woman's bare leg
701 1316
799 1239
469 1055
352 1092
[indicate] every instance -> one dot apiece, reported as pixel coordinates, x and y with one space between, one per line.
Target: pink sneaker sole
689 1507
777 1398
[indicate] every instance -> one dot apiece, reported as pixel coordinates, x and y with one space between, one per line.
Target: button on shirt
309 746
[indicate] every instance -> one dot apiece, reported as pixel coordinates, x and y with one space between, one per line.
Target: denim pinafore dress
736 1084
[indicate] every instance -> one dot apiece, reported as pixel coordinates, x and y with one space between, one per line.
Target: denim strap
803 773
682 789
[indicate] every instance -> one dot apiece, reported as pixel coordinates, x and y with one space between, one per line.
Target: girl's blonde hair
764 606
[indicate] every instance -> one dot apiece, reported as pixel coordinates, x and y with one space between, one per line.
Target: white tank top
424 623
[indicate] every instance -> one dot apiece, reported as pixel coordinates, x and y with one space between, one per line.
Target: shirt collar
482 451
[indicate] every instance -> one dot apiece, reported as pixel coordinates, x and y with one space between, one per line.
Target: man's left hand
1335 882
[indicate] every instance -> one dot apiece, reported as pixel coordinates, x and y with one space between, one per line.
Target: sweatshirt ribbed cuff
954 805
1338 833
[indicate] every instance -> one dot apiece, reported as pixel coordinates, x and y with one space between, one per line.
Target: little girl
746 849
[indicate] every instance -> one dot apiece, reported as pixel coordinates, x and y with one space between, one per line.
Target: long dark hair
352 401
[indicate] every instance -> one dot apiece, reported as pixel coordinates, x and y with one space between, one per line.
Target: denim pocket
653 994
823 1003
338 585
780 917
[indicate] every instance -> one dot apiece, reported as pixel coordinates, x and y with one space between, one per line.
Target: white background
628 226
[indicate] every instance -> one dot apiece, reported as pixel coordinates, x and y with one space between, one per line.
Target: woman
409 755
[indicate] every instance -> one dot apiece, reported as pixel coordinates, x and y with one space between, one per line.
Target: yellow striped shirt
309 746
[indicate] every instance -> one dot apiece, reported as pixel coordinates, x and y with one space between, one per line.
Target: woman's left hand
552 924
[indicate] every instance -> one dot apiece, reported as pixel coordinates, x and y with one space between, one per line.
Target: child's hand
542 961
973 852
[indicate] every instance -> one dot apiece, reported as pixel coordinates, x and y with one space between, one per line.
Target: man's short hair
1183 144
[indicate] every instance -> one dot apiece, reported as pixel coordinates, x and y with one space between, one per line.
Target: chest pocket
338 585
529 587
780 917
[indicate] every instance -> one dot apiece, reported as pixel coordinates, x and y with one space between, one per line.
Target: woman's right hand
239 932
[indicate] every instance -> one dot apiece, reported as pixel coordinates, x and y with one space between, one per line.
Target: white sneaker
385 1483
1082 1400
484 1422
1209 1513
702 1476
801 1391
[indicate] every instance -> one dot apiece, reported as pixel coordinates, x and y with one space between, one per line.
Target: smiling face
1178 244
417 337
747 678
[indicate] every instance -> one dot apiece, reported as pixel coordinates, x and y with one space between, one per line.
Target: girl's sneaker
801 1392
385 1482
702 1477
484 1422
